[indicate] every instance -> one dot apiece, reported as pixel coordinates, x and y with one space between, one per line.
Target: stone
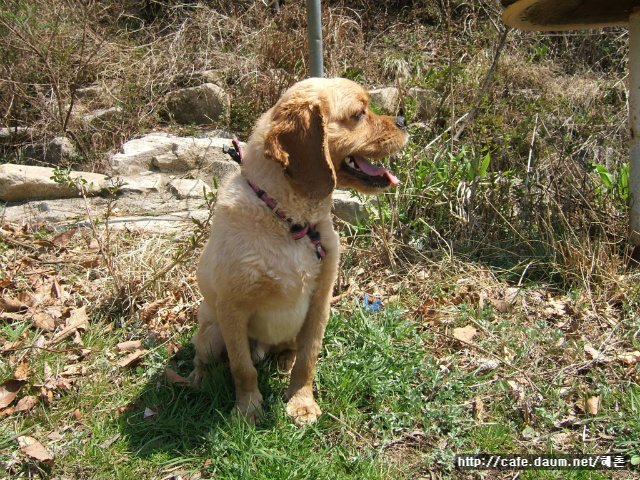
91 93
142 184
188 188
167 153
57 151
25 182
202 105
425 103
99 118
348 207
14 134
221 169
386 100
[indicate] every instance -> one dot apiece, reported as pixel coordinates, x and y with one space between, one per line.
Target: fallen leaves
77 321
34 449
175 378
9 391
131 359
465 334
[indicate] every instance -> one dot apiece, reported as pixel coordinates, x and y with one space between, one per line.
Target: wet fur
261 288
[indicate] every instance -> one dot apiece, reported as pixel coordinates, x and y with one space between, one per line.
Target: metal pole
634 126
314 20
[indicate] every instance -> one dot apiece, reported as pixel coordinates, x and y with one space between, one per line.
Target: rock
91 93
201 105
99 118
14 134
24 182
144 183
166 153
220 169
347 207
387 100
188 188
60 149
426 102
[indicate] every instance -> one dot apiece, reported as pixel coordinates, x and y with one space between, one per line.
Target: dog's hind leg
208 342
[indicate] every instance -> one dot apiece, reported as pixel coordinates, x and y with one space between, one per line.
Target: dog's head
323 135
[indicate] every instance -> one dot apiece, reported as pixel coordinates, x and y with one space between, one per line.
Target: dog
268 269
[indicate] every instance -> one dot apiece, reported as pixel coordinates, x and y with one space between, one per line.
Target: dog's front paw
303 410
196 376
249 407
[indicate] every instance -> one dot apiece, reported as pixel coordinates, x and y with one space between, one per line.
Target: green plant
616 182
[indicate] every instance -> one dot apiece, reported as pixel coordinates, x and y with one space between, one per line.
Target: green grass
398 402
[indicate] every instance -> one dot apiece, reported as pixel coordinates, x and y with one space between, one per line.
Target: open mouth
361 168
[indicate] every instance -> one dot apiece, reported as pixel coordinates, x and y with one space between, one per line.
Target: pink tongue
374 171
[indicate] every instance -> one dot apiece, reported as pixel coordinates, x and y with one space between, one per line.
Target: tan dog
268 270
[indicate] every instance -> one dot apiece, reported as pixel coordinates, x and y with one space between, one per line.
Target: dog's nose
401 122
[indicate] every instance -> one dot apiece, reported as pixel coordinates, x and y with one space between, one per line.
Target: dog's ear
298 141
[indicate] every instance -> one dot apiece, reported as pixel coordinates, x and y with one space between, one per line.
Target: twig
485 85
333 417
66 350
16 243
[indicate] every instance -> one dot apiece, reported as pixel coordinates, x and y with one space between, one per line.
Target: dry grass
531 252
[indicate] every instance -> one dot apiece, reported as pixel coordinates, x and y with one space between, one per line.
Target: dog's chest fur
251 252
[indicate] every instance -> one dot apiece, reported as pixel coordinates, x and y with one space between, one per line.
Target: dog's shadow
178 419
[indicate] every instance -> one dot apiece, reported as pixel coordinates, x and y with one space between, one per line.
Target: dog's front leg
301 406
233 325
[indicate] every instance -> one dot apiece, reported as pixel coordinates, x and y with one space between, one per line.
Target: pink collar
297 231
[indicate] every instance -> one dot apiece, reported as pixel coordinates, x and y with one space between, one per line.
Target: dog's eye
360 115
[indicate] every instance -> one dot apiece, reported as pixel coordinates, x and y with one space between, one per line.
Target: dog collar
297 231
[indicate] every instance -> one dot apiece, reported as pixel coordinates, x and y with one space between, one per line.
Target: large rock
348 207
426 102
202 105
164 152
387 100
14 134
189 188
100 118
58 150
25 182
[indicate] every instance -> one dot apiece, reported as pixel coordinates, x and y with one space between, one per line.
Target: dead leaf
44 321
64 238
595 354
55 435
501 306
131 359
150 412
151 309
563 440
176 379
77 321
509 354
73 371
478 409
629 359
22 371
9 390
12 304
465 334
129 346
34 449
57 290
107 443
593 405
26 403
